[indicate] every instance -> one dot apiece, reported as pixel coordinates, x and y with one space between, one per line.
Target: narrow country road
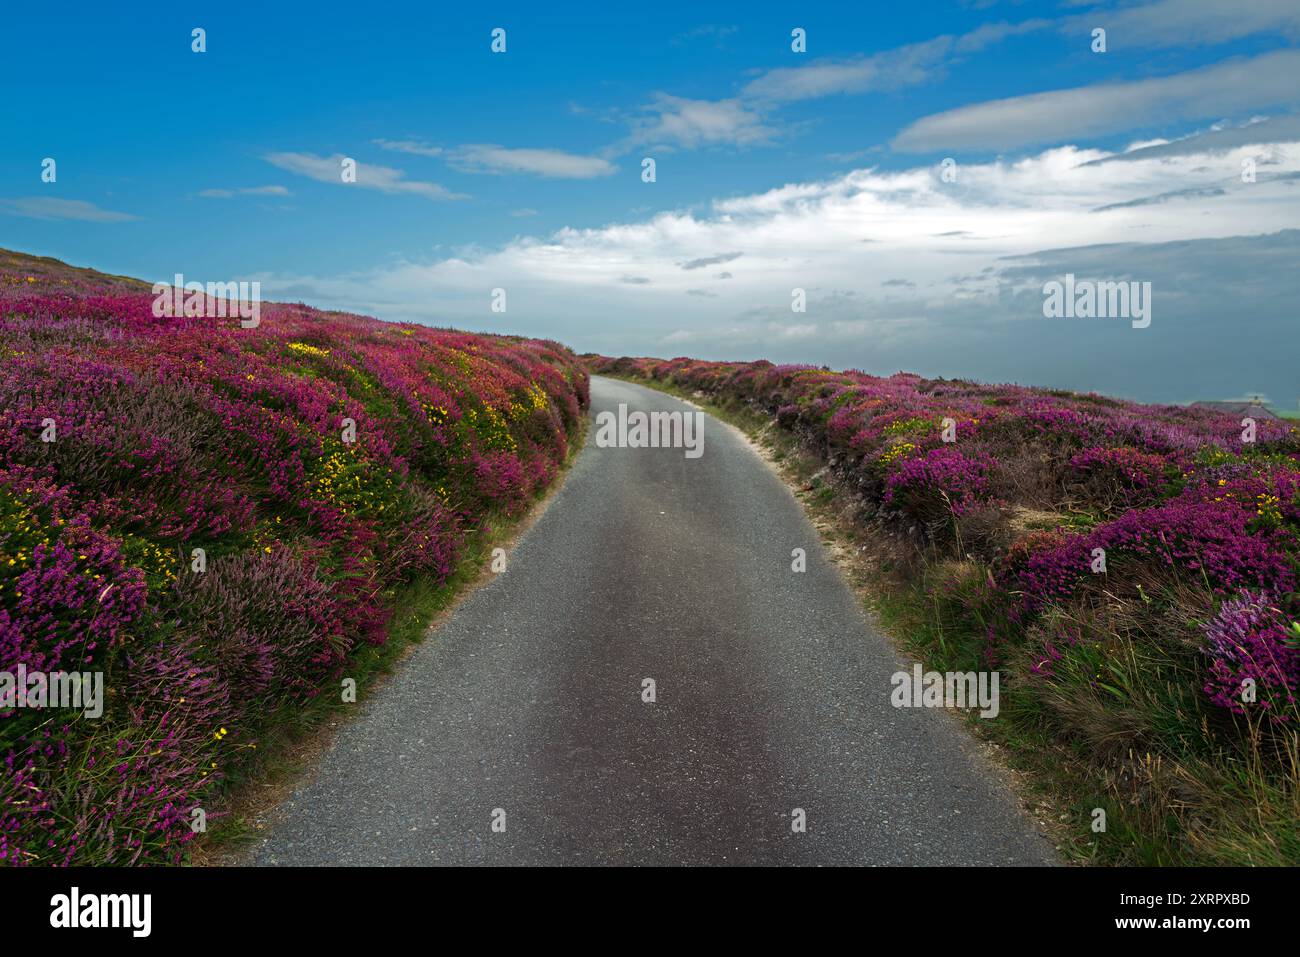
772 693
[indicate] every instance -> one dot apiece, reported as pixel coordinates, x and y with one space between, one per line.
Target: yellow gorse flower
896 452
308 350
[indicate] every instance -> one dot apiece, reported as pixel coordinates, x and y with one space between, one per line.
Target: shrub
1251 639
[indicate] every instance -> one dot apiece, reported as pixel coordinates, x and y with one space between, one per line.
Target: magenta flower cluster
1143 496
942 479
216 518
1250 641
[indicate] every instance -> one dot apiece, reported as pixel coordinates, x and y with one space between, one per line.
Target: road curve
772 693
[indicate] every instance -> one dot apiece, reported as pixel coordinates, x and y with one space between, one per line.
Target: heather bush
941 481
1122 477
1250 639
1171 496
183 440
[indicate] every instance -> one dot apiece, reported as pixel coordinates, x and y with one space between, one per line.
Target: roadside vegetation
229 524
1130 570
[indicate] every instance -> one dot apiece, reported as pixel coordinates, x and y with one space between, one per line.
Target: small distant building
1245 408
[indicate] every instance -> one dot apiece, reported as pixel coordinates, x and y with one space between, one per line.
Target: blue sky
775 169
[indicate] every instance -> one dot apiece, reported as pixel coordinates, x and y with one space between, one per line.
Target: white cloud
1231 86
554 164
742 120
1215 140
47 207
1167 23
385 179
889 70
991 33
244 191
894 69
413 147
676 121
840 239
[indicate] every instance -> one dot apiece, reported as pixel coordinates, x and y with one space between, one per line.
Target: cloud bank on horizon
918 193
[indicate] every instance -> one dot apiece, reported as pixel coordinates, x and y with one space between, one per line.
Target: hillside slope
218 520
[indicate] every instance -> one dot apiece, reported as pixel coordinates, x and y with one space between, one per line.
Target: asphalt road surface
772 693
